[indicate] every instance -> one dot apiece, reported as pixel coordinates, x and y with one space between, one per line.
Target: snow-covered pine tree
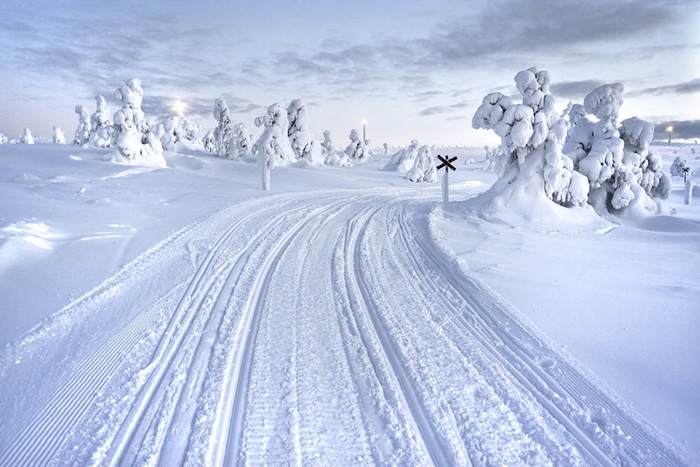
101 128
423 169
356 150
623 174
241 143
26 137
58 136
327 144
134 137
224 128
304 144
82 133
532 134
403 160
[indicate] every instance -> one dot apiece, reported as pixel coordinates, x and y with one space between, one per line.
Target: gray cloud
574 89
689 87
442 109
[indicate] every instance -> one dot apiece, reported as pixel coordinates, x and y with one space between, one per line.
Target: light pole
669 129
364 130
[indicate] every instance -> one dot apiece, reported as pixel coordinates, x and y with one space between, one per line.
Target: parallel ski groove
420 416
242 362
497 322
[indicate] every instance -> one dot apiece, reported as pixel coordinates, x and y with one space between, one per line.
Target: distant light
364 122
179 107
669 129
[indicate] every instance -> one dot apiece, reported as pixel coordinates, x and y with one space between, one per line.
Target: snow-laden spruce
403 160
595 165
327 144
26 137
224 128
135 138
101 128
678 167
241 143
423 169
82 133
3 139
58 136
272 147
624 175
357 149
304 144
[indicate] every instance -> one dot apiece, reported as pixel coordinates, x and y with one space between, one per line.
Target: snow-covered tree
327 144
190 129
532 134
677 167
386 149
356 150
423 169
58 136
241 143
101 124
209 142
272 147
622 173
169 133
134 137
3 139
26 137
303 142
403 160
224 128
82 133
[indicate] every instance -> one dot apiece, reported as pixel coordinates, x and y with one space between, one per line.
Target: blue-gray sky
414 70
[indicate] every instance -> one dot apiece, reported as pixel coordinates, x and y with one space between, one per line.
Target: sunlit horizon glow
179 107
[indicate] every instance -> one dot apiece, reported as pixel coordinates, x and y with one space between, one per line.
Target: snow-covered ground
184 315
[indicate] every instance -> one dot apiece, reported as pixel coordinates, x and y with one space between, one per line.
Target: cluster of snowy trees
134 138
285 139
416 161
572 159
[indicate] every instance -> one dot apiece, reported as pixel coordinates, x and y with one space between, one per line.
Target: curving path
324 329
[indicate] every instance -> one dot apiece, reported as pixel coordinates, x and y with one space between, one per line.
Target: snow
344 317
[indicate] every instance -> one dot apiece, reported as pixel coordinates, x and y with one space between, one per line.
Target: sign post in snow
446 162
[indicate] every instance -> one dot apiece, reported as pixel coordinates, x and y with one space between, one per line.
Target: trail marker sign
446 162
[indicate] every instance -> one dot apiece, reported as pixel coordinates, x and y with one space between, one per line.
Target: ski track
324 329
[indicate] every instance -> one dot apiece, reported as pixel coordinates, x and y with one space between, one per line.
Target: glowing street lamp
179 107
364 130
669 129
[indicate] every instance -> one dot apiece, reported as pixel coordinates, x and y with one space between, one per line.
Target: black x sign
447 162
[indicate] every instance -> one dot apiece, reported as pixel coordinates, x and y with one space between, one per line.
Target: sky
412 70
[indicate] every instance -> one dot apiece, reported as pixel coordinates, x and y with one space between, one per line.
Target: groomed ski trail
322 329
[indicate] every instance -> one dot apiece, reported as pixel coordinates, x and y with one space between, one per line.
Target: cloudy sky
414 70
